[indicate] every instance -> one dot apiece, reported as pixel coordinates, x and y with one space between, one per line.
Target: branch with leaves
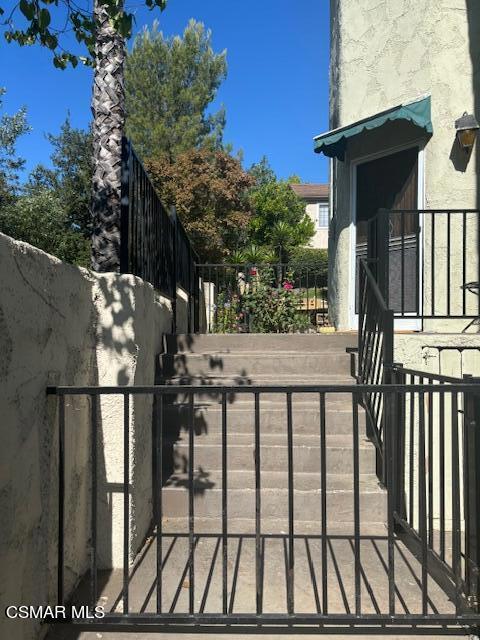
48 23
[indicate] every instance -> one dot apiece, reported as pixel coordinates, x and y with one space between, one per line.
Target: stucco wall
385 52
64 325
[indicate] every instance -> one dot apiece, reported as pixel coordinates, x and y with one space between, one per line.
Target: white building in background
316 197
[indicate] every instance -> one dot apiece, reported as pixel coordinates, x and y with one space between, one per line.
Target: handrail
425 374
374 285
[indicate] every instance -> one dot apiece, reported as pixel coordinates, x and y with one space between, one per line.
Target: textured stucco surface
440 353
63 325
385 52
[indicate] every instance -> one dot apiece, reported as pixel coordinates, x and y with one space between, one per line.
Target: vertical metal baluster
430 466
411 447
390 414
61 499
291 532
356 503
224 505
402 218
323 479
442 473
464 263
478 257
449 242
191 513
456 555
432 266
159 499
126 498
258 538
422 499
93 562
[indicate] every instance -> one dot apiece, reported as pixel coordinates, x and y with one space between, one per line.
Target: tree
38 217
103 31
279 219
11 128
262 172
71 174
49 22
52 210
209 190
170 82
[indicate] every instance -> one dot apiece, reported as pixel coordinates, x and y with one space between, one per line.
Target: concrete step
306 457
227 343
273 419
256 363
267 439
179 525
274 504
204 482
268 398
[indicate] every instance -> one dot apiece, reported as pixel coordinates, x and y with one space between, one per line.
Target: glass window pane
322 216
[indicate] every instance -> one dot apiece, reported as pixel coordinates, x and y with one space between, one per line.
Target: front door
391 182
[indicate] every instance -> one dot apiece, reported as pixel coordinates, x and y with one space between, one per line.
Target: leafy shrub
227 314
273 306
315 261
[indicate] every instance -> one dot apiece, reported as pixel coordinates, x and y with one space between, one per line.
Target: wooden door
391 182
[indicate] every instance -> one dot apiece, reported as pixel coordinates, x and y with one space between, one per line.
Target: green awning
334 143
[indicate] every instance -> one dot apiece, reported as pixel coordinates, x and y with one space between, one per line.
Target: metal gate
421 569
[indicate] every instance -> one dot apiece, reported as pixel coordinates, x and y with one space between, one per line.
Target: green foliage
170 82
208 189
71 176
279 218
11 128
30 22
39 218
262 172
226 314
51 211
272 306
252 254
315 261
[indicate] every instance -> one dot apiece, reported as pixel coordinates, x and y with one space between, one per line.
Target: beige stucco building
402 72
317 207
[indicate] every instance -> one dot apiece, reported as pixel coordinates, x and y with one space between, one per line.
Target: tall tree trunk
108 107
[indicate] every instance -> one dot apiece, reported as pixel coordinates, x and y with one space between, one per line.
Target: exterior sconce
467 130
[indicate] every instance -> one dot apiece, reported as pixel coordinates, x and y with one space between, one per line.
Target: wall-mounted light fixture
467 130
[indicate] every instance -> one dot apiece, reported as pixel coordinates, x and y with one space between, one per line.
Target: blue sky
276 93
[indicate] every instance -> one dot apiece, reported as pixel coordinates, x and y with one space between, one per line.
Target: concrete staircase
266 360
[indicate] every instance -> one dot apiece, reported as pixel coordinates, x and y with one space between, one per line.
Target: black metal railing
437 476
407 593
229 286
154 245
428 262
375 356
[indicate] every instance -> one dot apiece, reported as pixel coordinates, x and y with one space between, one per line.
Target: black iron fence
375 355
428 262
263 298
414 506
436 471
154 244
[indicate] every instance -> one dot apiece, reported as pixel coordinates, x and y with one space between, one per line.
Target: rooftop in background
311 191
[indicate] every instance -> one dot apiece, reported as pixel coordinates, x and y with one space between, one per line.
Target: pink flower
253 272
288 286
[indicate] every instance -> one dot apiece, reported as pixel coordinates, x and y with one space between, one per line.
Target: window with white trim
322 215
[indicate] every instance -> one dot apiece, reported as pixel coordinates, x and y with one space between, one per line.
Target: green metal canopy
334 143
